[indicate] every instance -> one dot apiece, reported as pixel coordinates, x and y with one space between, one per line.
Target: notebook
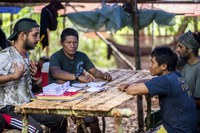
67 96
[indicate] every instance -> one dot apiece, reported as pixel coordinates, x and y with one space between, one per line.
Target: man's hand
19 70
107 76
85 78
32 68
60 81
123 87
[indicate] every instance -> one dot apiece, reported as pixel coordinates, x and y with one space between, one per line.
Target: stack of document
96 86
55 89
93 86
67 96
60 92
79 85
73 89
96 89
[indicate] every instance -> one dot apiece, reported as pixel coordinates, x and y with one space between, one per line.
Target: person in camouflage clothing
16 71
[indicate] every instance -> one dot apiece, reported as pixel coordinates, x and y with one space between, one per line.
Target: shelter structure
134 4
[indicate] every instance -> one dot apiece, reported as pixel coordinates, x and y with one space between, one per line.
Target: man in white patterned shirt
16 71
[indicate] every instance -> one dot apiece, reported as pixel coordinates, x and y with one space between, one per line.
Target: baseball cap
22 25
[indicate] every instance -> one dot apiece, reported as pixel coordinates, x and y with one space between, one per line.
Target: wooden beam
85 1
126 112
24 3
177 2
9 4
99 1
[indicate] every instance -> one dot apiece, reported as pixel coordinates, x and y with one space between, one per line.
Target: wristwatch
77 76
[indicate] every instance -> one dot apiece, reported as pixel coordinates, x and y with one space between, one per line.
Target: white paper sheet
96 84
56 89
95 89
73 89
79 85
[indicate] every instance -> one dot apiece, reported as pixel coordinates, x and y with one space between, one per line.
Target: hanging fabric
114 17
108 18
49 20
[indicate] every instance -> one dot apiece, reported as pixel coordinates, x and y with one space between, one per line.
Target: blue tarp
11 10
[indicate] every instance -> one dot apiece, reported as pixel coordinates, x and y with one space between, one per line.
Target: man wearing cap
16 71
187 47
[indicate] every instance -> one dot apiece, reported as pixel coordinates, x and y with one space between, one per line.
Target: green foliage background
96 49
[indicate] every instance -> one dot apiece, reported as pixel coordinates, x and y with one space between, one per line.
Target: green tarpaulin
113 18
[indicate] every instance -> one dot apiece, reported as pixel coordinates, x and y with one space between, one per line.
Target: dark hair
164 55
68 32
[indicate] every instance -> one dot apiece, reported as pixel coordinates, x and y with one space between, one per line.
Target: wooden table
103 103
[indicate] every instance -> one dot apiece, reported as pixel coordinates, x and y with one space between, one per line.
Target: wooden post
25 123
118 123
137 53
11 19
104 124
64 18
148 122
195 19
80 122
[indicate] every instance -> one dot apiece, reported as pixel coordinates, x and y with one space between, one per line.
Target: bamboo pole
195 19
64 12
84 1
78 113
148 122
117 113
118 123
80 122
104 124
137 53
11 19
95 1
136 36
25 123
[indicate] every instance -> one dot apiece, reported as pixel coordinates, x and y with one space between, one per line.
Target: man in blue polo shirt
177 105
